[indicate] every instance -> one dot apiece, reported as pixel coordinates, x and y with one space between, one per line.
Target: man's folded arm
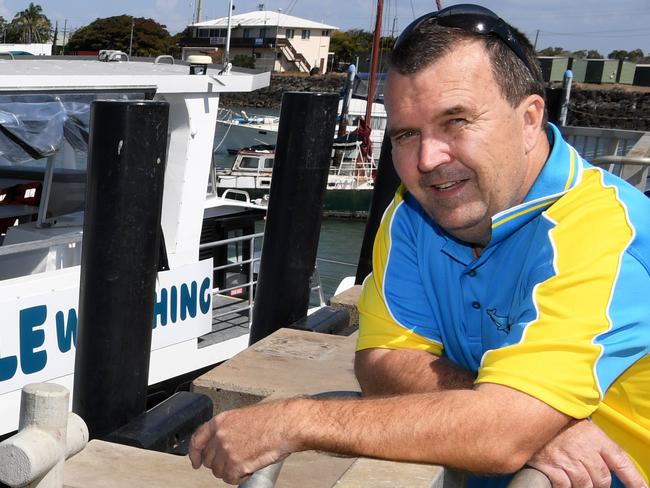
401 371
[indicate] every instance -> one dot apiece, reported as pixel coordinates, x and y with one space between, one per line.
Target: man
509 295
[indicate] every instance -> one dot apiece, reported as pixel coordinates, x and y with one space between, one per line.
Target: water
340 240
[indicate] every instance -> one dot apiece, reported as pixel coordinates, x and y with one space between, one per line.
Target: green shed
579 68
553 67
625 73
642 75
601 71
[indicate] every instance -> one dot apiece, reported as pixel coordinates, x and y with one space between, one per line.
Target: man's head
466 117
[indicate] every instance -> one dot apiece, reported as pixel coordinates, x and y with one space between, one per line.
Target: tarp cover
33 127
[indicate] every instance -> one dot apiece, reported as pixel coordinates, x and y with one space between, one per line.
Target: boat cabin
44 134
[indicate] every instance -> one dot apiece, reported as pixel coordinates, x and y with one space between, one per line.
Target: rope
224 136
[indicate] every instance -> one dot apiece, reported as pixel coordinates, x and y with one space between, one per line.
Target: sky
603 25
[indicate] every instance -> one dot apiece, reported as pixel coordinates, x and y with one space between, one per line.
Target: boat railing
593 142
40 255
624 153
233 193
356 172
69 239
249 264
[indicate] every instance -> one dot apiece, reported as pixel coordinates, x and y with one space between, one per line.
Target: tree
149 37
31 25
553 51
635 55
346 45
593 54
618 54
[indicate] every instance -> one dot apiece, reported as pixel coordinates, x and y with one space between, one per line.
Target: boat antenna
375 62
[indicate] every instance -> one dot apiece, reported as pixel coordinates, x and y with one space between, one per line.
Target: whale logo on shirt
502 323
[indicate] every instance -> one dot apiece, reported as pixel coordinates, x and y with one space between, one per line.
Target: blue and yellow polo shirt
556 306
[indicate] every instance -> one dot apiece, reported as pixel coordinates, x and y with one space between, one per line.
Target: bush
244 61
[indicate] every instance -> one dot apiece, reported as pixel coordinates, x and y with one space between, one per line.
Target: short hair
430 41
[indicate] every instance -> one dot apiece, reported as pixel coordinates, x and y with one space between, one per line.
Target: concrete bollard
48 435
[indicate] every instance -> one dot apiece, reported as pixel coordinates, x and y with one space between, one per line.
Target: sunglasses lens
470 18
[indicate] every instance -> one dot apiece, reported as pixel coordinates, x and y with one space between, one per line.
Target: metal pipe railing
41 244
529 478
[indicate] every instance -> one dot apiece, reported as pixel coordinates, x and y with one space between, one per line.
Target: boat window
248 162
268 163
43 159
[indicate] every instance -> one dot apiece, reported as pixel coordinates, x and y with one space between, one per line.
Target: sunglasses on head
470 18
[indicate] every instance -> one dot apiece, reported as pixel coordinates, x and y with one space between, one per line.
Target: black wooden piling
386 183
126 167
302 159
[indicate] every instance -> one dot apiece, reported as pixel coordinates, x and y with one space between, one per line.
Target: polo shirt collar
560 173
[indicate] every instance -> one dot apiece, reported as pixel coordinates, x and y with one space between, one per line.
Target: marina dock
286 363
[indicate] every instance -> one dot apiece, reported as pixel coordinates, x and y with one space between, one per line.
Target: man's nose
433 153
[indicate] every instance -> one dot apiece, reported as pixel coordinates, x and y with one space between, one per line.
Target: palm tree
32 25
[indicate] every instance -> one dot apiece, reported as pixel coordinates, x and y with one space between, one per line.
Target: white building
277 41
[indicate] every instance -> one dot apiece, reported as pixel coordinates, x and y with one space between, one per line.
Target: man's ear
533 119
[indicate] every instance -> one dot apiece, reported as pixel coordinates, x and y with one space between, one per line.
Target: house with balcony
275 41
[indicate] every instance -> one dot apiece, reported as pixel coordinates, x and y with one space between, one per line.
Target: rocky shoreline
618 107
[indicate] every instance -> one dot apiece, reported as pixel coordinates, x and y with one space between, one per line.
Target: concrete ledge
106 465
285 364
376 473
348 300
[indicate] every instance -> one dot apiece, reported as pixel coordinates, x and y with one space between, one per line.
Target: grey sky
604 25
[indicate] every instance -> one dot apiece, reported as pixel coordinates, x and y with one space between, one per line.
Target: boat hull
338 203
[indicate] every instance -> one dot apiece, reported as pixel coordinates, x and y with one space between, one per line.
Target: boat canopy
35 126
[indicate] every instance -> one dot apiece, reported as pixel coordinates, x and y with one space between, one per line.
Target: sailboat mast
227 53
374 64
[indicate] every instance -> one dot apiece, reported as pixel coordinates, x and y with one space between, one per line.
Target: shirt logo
502 323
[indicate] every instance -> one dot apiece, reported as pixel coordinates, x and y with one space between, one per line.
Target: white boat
41 220
243 130
349 184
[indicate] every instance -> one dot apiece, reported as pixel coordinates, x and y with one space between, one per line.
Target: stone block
285 364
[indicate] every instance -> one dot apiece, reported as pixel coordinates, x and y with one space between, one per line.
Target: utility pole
392 32
65 30
56 34
535 44
131 39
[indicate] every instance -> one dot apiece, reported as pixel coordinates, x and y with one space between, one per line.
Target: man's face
458 145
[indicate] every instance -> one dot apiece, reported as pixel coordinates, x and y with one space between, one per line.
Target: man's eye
457 122
404 136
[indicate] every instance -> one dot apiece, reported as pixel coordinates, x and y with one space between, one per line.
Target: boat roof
38 74
265 18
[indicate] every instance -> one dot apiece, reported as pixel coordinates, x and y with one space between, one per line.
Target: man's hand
582 456
236 443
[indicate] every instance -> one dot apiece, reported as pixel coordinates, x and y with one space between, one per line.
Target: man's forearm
402 371
452 428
